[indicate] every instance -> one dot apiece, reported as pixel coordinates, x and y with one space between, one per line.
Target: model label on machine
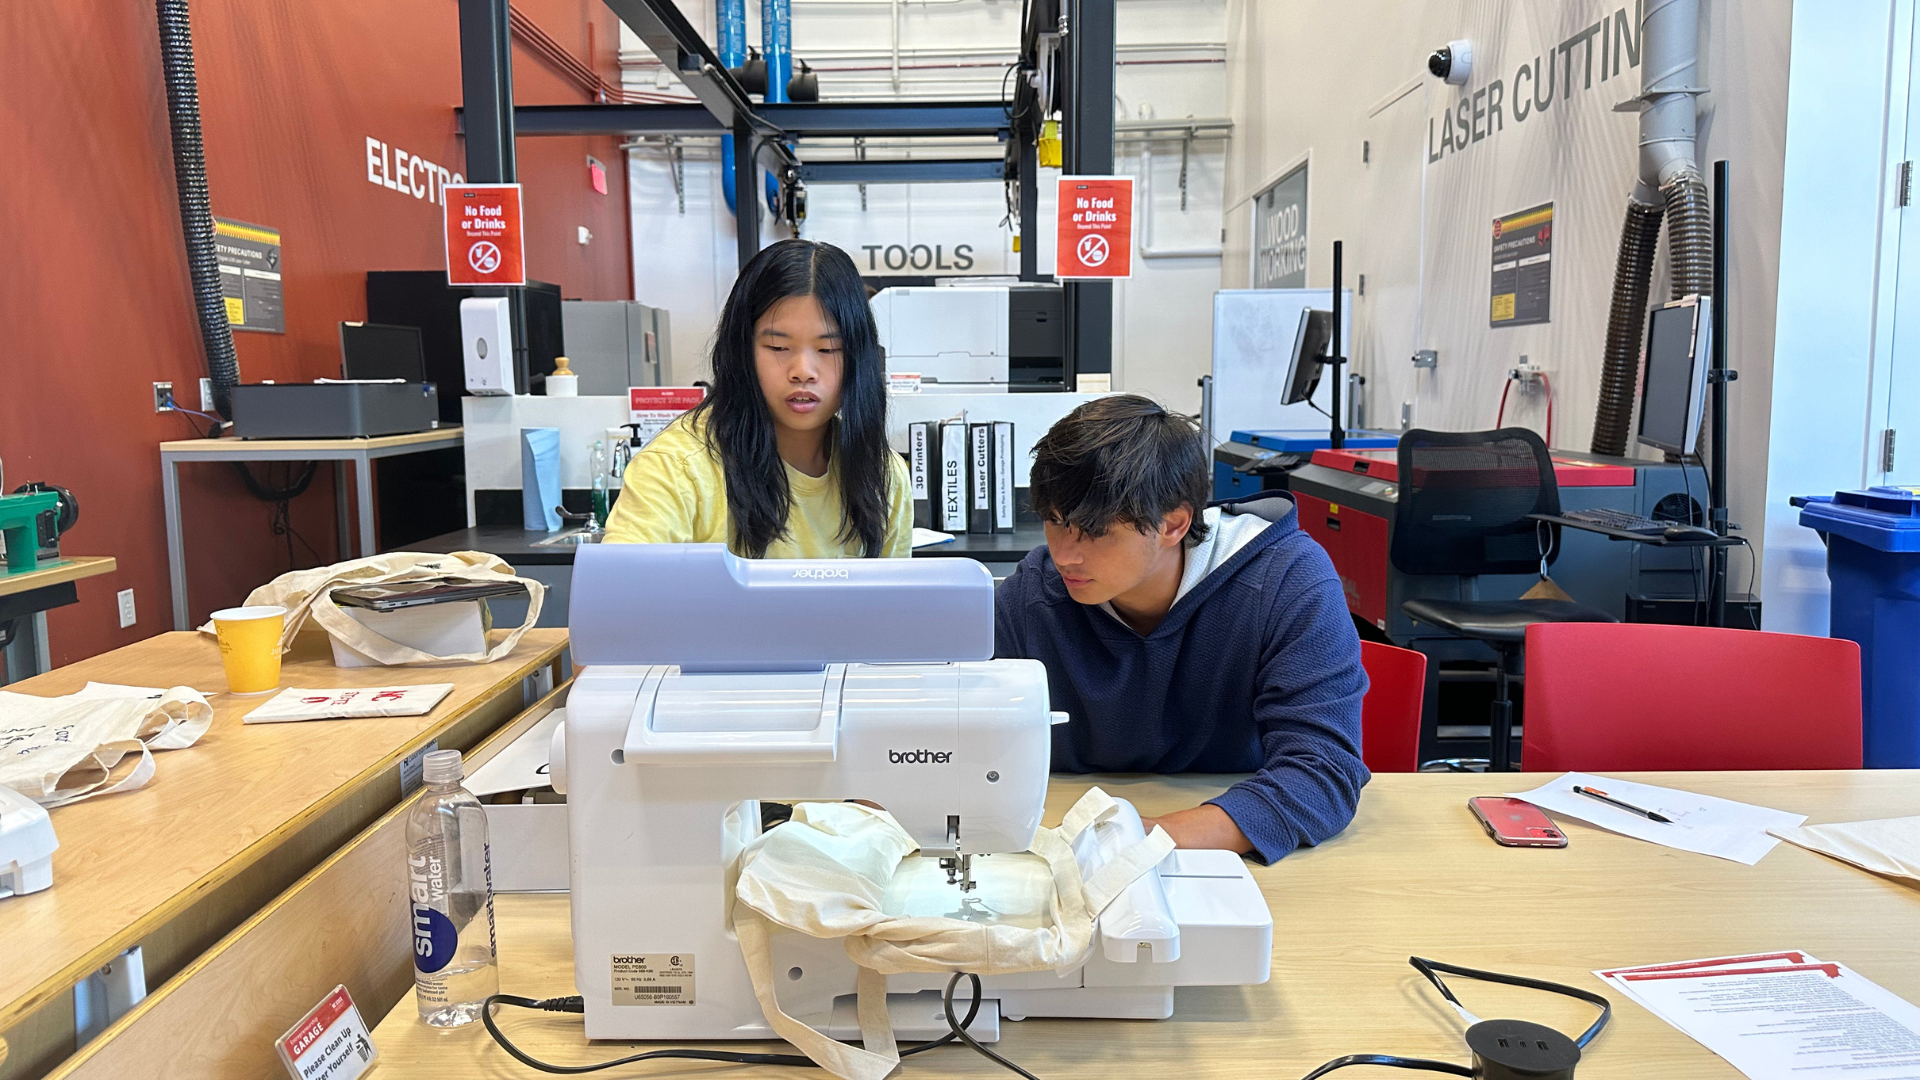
1613 41
249 257
1522 268
919 757
653 979
1095 221
483 235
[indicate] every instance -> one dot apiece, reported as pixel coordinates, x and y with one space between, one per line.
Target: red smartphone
1516 822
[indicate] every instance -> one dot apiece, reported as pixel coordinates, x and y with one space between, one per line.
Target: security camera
1452 62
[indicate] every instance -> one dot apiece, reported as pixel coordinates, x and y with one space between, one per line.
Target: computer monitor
1303 362
1674 378
379 351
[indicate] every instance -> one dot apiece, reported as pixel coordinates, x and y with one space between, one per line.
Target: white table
361 453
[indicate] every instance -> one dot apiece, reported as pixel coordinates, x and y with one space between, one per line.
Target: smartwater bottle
450 885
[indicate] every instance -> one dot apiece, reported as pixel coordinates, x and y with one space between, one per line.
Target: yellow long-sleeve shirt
674 492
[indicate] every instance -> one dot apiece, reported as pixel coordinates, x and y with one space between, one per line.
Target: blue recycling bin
1873 561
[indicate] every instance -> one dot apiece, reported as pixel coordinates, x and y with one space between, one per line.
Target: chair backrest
1464 501
1623 696
1390 713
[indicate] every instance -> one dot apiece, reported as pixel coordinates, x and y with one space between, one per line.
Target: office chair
1637 696
1462 510
1390 712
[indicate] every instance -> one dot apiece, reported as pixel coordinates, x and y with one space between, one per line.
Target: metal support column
1089 152
746 180
486 89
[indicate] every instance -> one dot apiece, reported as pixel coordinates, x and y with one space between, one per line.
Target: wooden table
360 452
225 824
32 593
1413 875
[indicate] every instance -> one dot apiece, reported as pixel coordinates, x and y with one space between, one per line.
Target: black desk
518 546
991 547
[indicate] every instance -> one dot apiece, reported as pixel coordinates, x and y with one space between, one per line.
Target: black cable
574 1003
1429 968
1694 568
1390 1062
946 1002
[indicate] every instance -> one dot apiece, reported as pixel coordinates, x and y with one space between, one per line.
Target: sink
571 537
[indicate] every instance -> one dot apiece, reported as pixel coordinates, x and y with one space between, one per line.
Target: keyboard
1619 521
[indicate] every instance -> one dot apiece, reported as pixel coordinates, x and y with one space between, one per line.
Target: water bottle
450 885
597 467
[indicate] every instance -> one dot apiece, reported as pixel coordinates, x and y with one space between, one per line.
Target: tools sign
483 235
1095 223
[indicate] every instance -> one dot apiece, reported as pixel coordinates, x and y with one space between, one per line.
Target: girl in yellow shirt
787 458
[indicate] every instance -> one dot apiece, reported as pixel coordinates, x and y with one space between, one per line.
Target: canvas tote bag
825 873
60 750
308 594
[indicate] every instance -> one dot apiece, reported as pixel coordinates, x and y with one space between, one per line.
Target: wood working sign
483 235
1095 220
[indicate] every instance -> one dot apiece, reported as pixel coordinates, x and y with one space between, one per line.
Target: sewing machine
712 683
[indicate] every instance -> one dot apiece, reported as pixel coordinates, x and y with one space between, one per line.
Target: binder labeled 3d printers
922 473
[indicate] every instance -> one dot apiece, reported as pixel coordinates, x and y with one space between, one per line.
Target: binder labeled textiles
953 476
980 478
921 472
1003 509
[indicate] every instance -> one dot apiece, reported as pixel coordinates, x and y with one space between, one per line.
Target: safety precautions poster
249 258
1095 218
1523 268
483 235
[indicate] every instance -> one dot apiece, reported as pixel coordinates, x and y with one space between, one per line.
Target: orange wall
95 303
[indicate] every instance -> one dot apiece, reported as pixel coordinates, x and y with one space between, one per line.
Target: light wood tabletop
1413 875
226 823
330 446
57 572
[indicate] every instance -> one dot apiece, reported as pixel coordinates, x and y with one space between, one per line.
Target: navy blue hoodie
1256 668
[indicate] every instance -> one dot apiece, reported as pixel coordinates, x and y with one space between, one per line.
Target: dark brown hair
1123 459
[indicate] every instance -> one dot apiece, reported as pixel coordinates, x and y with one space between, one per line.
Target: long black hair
740 426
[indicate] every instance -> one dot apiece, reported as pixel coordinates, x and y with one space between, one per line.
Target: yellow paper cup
250 647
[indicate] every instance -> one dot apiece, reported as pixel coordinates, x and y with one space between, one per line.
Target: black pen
1596 793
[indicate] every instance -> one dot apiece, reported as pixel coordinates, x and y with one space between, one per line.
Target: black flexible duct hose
196 213
1620 370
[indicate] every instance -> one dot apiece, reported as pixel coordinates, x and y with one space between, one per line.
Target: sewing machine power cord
957 1031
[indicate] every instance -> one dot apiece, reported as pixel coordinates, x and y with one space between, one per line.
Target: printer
710 684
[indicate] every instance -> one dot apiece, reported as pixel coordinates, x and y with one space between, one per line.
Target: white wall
1420 230
1836 329
1171 57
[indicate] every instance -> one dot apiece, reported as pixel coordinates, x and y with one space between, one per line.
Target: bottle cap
442 767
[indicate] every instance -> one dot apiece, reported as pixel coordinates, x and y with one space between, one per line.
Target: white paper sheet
1701 823
1775 1019
930 538
522 764
1888 846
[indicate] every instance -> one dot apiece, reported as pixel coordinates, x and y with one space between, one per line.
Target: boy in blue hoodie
1182 638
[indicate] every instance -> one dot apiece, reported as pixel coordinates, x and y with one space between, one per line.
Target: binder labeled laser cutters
921 472
980 478
1003 493
953 475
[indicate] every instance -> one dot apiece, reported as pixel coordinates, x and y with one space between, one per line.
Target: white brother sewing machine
711 683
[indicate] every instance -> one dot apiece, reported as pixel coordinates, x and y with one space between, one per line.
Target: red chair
1390 713
1632 696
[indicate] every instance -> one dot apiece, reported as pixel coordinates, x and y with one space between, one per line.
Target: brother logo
919 757
819 573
